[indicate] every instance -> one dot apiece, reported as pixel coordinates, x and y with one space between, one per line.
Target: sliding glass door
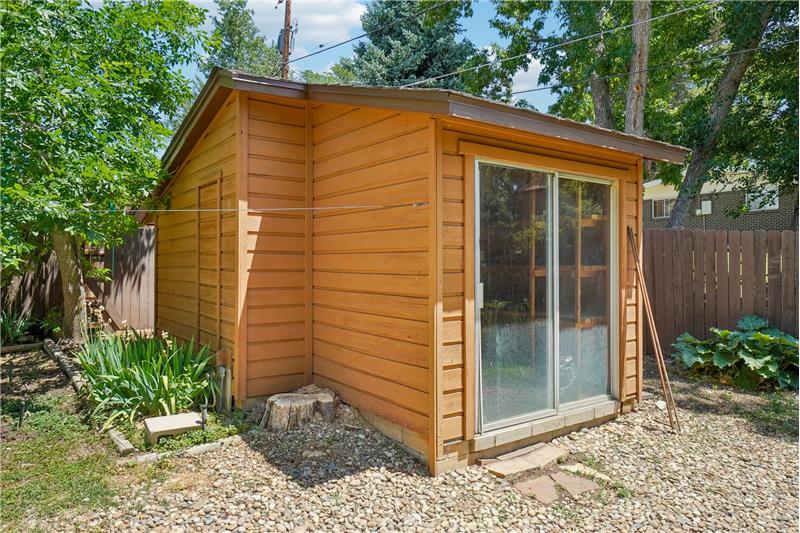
514 252
584 289
544 269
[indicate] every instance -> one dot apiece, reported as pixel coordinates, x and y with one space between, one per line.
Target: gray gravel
721 474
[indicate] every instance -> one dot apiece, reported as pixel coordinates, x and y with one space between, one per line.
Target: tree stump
294 410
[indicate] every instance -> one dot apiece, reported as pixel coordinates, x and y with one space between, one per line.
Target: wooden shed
455 268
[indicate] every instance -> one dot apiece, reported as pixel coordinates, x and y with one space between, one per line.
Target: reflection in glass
514 241
584 233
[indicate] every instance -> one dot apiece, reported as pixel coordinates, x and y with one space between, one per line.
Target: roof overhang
440 102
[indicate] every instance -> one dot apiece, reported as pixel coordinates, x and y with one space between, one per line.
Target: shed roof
441 102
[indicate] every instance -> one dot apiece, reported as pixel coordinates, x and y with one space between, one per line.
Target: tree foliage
404 48
86 92
759 139
237 44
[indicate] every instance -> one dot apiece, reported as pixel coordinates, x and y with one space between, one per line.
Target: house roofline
441 102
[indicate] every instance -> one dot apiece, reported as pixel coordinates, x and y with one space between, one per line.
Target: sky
328 22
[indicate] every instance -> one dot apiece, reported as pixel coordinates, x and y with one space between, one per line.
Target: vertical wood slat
661 284
748 273
698 242
700 279
721 263
760 272
669 293
677 285
788 279
647 264
734 278
774 307
710 265
686 243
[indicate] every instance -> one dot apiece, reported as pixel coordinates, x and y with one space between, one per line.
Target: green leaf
746 379
723 358
751 323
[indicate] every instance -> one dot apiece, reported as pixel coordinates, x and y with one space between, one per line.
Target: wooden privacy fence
700 279
128 297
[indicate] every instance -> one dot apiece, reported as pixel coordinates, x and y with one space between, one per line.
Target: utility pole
287 37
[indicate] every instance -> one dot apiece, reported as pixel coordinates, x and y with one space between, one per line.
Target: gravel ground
723 473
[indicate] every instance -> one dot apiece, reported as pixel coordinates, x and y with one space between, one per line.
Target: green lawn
53 462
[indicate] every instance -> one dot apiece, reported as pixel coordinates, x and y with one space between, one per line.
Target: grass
217 428
54 462
776 413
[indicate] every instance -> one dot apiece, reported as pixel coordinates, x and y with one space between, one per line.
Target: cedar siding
346 255
196 249
371 265
274 249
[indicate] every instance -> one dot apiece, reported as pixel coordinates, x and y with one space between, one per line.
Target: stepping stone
521 451
539 458
582 469
542 488
160 426
574 485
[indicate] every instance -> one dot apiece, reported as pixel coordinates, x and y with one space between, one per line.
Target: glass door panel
584 245
514 326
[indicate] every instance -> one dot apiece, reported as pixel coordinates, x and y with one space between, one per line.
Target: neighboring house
712 207
400 247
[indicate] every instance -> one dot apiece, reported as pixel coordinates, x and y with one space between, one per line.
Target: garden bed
128 436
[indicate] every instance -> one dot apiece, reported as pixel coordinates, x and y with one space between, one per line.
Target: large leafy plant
135 376
753 356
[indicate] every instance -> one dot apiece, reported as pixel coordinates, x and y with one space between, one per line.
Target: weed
217 428
621 490
589 460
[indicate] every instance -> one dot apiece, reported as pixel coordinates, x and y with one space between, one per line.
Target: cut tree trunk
637 77
67 253
294 410
728 86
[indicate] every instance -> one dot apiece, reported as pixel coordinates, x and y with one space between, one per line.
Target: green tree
236 43
736 119
86 91
341 72
404 48
742 118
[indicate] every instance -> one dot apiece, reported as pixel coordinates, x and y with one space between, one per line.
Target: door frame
584 172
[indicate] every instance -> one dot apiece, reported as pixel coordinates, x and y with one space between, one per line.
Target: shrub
753 356
134 376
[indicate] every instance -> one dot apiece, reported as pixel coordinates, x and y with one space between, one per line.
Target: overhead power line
655 67
558 45
366 34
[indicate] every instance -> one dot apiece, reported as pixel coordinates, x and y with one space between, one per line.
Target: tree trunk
67 252
637 77
601 95
601 100
697 172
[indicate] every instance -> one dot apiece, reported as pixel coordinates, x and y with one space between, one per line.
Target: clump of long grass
135 376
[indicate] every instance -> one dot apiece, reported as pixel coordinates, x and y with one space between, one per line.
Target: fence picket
748 270
734 277
711 279
788 277
774 307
